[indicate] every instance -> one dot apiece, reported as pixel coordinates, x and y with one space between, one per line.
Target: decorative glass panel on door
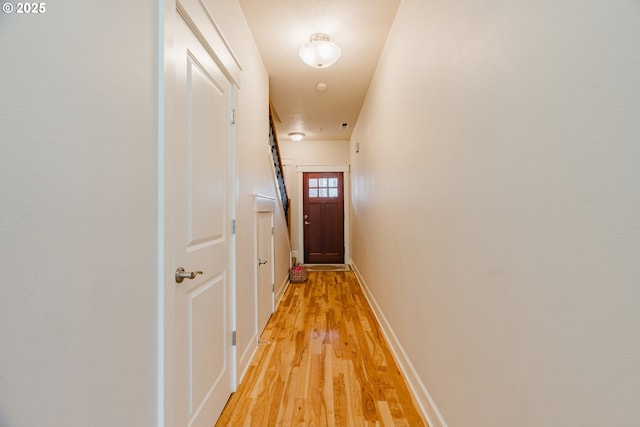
323 187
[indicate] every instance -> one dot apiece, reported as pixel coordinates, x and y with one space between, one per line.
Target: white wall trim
198 16
346 183
420 392
262 203
167 25
280 293
249 352
234 242
247 356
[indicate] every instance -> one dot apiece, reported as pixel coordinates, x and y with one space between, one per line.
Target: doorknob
307 223
181 274
260 262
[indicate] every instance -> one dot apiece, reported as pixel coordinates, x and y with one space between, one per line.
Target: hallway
326 364
493 213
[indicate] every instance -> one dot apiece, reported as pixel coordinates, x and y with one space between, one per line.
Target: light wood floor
327 364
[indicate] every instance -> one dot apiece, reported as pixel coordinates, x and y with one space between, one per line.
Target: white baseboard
278 296
423 398
247 356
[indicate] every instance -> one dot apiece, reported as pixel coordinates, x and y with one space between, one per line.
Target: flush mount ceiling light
320 52
296 136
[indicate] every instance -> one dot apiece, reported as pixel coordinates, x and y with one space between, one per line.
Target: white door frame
262 203
345 169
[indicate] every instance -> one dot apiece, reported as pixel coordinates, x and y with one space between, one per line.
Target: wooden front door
323 210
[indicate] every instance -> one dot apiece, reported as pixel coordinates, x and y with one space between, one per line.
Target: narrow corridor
326 364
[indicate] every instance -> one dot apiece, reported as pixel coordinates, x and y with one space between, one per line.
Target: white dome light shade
320 52
296 136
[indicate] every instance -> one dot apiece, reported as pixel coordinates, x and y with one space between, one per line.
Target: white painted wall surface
496 206
308 153
78 216
254 170
315 152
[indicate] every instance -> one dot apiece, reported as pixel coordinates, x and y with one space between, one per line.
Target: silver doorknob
307 223
181 274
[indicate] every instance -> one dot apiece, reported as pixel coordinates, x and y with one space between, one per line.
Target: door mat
327 267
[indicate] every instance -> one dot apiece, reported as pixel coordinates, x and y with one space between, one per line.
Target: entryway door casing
323 217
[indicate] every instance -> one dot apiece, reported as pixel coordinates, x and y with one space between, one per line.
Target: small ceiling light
296 136
322 87
320 52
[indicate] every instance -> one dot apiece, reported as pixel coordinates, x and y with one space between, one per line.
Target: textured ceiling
281 27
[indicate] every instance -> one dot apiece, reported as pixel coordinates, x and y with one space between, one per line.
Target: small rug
327 267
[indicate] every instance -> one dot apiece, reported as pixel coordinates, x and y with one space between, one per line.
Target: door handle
307 223
260 262
181 274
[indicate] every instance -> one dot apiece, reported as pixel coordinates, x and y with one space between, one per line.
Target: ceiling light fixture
320 52
296 136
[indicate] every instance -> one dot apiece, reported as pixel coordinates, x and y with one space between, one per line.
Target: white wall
315 152
78 216
496 199
254 170
308 153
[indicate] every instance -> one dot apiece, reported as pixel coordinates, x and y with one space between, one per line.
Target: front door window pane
323 187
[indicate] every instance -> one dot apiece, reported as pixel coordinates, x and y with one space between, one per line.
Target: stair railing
279 170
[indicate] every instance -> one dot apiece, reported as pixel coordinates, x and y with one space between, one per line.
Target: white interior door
203 353
265 268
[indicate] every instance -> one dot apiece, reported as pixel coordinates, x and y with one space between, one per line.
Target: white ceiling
281 27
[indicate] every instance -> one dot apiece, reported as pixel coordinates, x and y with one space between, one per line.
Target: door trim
345 169
261 204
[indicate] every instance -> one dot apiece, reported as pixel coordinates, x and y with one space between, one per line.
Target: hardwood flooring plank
385 414
327 392
288 399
